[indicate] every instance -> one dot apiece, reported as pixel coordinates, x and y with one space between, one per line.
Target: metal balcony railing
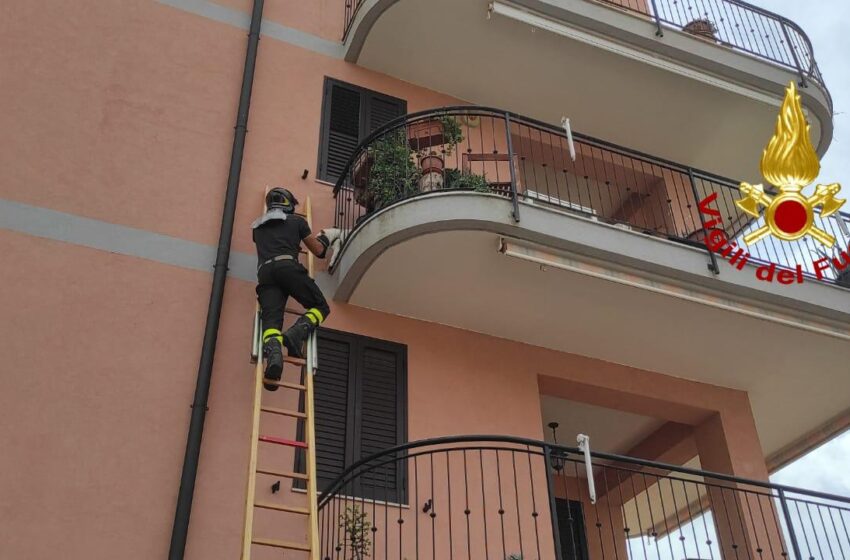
731 23
738 25
529 162
351 7
513 498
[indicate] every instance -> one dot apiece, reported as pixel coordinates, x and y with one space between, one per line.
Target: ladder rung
281 441
285 384
283 412
288 509
281 544
294 361
283 474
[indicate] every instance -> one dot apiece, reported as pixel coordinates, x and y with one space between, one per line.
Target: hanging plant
452 133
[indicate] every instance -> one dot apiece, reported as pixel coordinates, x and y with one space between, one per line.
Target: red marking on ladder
281 441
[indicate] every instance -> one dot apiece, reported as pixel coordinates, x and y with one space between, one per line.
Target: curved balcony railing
525 161
738 25
731 23
513 498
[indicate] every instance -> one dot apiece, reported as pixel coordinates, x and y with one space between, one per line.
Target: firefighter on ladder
278 235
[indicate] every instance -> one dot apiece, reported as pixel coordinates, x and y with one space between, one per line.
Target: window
349 115
360 400
571 529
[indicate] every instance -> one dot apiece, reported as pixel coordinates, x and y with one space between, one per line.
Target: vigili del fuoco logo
789 163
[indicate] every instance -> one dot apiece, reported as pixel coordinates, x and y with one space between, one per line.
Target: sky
827 23
825 469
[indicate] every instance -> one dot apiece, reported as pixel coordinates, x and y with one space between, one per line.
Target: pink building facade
119 127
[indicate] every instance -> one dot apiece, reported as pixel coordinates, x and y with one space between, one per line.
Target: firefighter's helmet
280 197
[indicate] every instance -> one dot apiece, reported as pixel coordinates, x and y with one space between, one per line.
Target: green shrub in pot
393 174
457 179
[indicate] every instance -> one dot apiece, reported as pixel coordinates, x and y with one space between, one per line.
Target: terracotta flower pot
702 27
432 167
432 163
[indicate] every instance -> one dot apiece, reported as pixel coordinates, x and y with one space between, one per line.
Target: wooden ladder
307 368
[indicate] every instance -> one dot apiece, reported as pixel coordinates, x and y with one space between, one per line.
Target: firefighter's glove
331 234
326 237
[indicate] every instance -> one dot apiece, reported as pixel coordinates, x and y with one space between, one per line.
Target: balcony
504 497
676 78
486 217
528 163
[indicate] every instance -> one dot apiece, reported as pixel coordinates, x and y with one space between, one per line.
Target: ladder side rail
256 405
312 491
248 527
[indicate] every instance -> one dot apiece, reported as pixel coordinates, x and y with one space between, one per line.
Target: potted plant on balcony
355 528
457 179
432 166
833 256
393 174
703 27
843 278
432 163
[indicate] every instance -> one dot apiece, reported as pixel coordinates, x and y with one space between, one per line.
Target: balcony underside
679 97
427 258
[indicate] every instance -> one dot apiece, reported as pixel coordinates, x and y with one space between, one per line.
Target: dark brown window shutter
349 114
378 423
361 409
332 407
343 129
381 109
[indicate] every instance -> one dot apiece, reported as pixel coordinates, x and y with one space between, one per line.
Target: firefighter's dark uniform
278 236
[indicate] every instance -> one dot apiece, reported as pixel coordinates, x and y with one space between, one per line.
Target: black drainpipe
202 386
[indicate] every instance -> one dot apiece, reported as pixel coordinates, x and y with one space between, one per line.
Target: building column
745 516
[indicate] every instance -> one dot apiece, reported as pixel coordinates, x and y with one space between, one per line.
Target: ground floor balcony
513 498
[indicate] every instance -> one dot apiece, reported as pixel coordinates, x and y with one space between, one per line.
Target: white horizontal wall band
242 20
122 240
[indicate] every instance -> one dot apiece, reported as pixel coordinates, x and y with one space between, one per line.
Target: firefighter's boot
297 334
273 352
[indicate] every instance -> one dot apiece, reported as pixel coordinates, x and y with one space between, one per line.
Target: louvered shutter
380 399
343 129
333 409
381 110
360 402
349 115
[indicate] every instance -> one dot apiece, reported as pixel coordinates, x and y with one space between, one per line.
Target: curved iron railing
526 161
738 25
508 497
732 23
